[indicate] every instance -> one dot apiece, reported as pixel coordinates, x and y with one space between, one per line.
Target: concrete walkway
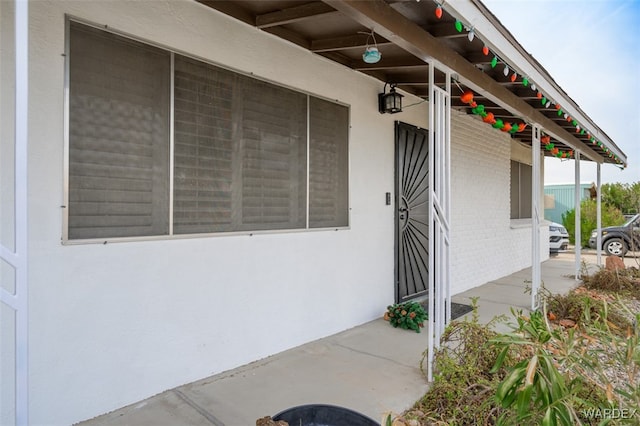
371 369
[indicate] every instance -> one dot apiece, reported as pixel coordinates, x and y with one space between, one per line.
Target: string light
439 11
467 97
488 117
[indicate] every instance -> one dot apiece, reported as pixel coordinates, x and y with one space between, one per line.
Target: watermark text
609 413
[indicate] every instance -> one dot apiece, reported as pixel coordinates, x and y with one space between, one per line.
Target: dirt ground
589 256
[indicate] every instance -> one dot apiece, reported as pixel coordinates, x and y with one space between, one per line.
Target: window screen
245 151
118 136
520 190
328 164
273 145
204 148
240 152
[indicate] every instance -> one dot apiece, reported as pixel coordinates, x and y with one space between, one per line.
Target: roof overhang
411 38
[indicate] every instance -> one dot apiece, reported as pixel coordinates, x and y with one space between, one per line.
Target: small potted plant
408 315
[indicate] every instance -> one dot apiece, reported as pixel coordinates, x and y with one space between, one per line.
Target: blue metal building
560 198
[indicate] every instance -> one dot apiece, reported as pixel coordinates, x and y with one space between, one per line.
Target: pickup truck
617 240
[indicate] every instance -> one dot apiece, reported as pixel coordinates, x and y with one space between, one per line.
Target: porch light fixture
389 103
371 53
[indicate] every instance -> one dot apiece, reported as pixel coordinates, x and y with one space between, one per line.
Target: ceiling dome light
371 55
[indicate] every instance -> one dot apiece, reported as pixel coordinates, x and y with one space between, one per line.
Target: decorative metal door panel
412 212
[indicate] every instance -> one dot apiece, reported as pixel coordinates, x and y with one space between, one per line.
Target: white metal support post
535 216
441 211
598 217
16 256
439 214
577 198
446 174
432 246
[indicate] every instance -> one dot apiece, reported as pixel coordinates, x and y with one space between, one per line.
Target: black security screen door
412 211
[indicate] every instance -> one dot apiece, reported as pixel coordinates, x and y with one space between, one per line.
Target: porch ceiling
409 35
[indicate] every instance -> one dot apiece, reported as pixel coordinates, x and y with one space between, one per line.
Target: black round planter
323 415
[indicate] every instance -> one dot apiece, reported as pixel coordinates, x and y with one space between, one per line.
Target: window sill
111 240
526 223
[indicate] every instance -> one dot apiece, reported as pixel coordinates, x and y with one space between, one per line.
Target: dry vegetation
575 362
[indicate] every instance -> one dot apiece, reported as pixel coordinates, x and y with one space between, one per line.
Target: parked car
558 238
617 240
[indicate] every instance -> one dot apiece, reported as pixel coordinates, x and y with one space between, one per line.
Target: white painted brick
484 244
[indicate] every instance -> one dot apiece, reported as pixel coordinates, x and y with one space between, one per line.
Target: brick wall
485 243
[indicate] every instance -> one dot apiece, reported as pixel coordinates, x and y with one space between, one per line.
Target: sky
591 48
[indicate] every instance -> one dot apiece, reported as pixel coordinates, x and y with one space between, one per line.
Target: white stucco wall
486 244
112 324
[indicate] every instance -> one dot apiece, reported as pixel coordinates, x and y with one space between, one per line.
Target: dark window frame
520 198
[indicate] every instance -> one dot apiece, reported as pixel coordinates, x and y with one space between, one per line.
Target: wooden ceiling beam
293 14
338 57
231 9
391 24
388 64
479 58
346 42
445 30
409 81
289 35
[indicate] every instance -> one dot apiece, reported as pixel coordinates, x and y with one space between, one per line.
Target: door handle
402 211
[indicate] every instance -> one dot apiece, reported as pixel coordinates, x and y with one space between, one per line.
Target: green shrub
611 216
408 315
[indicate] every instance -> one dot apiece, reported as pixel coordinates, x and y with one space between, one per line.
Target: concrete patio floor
372 368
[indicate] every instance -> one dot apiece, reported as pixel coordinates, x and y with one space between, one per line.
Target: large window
163 144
